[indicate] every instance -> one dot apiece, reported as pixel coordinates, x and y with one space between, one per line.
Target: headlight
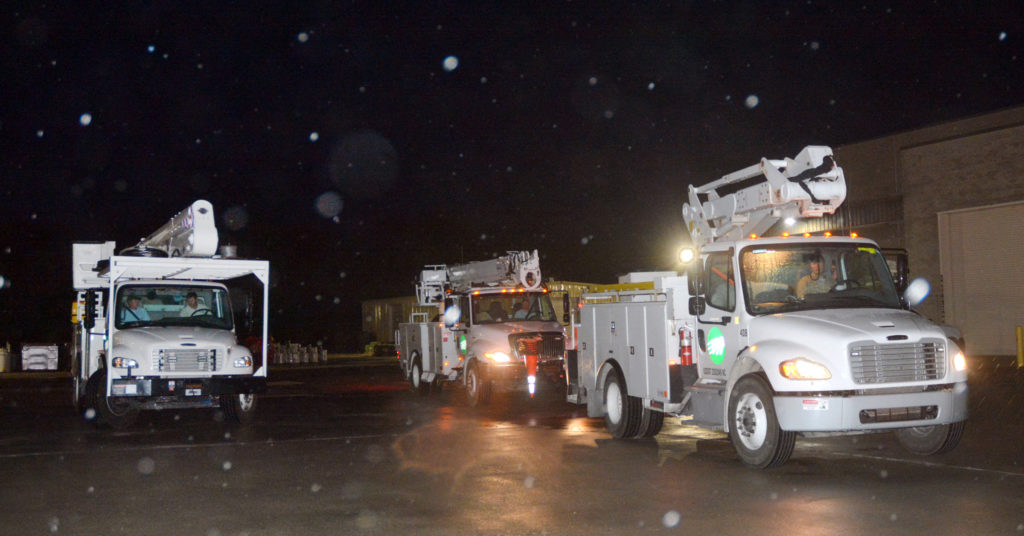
804 369
124 362
959 362
498 357
244 362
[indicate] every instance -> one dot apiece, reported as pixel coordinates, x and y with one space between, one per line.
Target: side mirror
694 280
89 319
916 291
697 305
902 273
565 308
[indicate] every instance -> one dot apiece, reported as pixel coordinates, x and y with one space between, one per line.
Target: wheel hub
751 421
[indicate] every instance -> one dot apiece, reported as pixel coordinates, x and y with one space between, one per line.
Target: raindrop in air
450 63
752 101
670 519
146 466
1002 36
303 37
329 204
314 136
85 119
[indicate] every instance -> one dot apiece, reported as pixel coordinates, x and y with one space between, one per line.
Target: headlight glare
959 362
243 362
804 369
498 357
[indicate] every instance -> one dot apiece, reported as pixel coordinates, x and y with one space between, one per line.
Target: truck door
718 329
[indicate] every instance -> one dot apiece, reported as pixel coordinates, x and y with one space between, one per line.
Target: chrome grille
892 363
545 346
185 360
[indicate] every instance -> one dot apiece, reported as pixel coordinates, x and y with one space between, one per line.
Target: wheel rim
751 421
920 431
246 402
472 383
613 402
118 407
415 375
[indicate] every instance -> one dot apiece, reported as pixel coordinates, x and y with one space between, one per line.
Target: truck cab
512 335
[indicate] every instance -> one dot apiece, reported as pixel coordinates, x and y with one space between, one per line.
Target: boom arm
809 185
190 233
516 268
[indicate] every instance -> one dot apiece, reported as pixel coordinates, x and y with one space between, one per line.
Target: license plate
193 391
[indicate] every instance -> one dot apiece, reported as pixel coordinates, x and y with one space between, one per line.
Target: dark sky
334 140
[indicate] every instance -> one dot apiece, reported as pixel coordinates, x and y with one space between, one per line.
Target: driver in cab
814 282
191 305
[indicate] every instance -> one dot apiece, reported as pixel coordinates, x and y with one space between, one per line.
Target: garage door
981 253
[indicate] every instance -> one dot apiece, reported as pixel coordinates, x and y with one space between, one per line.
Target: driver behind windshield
191 305
814 282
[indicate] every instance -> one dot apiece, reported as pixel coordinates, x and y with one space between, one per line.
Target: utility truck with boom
494 328
770 338
155 325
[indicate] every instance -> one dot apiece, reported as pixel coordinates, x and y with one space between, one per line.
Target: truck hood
847 325
173 337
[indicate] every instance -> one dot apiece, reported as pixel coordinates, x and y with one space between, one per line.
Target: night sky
350 143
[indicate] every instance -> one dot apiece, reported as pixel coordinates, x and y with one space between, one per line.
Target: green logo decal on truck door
716 346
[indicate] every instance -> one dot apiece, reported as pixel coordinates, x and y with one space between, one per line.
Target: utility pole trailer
494 328
770 338
154 326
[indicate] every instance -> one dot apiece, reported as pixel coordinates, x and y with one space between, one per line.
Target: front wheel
478 390
240 408
754 427
116 412
928 440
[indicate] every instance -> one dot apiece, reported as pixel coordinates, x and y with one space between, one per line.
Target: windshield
512 306
177 305
784 278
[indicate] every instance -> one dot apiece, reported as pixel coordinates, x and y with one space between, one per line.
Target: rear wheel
650 423
754 428
416 375
622 413
928 440
240 408
116 412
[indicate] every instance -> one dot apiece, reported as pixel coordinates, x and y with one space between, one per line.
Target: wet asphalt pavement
347 449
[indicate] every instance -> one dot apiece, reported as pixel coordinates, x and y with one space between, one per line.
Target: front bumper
185 388
844 412
512 377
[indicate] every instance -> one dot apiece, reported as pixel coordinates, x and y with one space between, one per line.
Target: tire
650 423
416 376
754 427
622 413
929 440
239 408
478 389
116 412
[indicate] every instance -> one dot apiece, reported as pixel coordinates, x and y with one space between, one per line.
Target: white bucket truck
154 326
771 338
495 328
